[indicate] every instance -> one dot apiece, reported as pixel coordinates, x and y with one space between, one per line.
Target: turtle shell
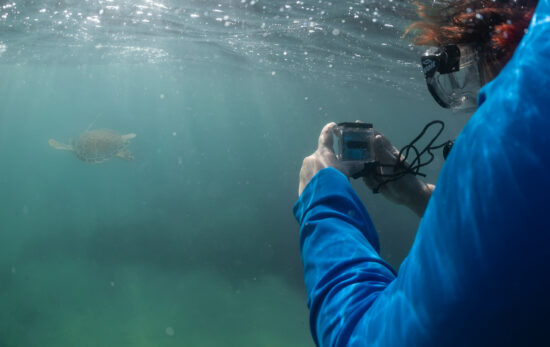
95 146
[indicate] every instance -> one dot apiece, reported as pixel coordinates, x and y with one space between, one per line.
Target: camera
355 142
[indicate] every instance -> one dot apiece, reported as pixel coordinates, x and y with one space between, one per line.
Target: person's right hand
324 157
407 190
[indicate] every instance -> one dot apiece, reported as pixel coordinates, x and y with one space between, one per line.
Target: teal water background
192 243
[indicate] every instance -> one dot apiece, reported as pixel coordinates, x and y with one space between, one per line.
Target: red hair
494 27
507 35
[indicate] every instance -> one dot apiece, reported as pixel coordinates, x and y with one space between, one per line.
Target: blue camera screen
355 146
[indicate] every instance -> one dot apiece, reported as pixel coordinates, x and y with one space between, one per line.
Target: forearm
419 201
343 271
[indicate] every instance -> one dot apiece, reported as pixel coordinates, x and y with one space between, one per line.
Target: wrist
420 200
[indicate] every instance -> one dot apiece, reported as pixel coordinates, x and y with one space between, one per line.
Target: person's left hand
408 190
324 157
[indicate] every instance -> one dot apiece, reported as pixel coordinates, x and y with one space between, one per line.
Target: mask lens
456 82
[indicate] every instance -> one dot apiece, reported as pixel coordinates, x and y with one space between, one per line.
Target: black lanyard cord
401 168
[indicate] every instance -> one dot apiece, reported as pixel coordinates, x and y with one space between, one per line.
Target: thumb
326 139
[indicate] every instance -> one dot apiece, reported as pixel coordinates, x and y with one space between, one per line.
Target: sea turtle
96 146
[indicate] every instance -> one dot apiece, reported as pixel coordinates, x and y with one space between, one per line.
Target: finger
374 181
350 168
391 150
382 141
384 150
326 137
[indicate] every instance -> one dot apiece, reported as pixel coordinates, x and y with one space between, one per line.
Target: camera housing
355 142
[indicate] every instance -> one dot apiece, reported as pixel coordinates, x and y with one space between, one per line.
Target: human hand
324 157
408 190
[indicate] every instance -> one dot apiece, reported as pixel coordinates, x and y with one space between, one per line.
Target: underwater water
193 242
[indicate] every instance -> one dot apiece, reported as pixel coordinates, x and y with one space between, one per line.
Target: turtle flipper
128 137
125 154
58 145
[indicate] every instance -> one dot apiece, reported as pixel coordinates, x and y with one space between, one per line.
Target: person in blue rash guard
478 273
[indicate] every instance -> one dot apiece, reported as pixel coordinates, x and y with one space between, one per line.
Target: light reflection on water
350 41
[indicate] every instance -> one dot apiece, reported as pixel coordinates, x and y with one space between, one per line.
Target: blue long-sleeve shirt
478 273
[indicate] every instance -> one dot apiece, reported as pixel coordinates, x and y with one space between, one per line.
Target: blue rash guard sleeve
344 272
478 271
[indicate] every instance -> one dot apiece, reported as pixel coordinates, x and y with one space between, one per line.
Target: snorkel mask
453 75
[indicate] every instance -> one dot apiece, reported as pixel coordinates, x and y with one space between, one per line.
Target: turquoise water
192 243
